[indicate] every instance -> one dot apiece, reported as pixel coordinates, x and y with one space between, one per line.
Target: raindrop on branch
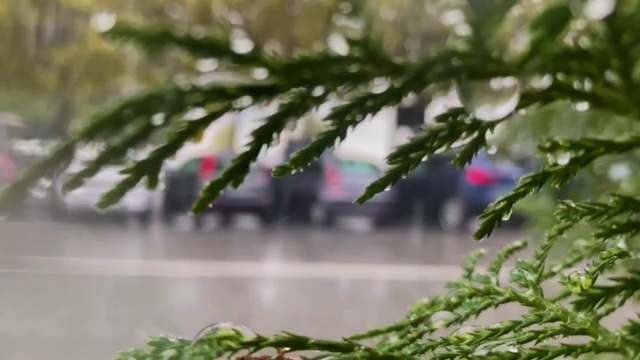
380 85
492 150
195 114
235 18
103 21
260 73
224 328
440 318
579 281
243 102
240 42
318 91
338 44
207 65
563 158
581 106
158 119
599 9
452 17
489 100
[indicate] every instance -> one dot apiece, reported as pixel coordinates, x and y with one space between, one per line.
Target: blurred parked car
481 183
427 189
7 170
137 203
296 193
183 186
343 181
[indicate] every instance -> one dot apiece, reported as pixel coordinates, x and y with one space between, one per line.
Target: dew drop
207 65
195 114
587 85
198 32
158 119
103 21
490 100
465 330
440 318
452 17
240 42
352 25
462 30
243 102
380 85
563 158
275 141
260 73
235 18
338 44
599 9
224 328
506 216
581 106
541 82
318 91
619 172
492 150
579 281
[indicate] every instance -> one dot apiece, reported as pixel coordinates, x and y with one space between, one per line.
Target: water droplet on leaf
198 32
563 158
581 106
579 281
462 30
440 318
380 85
318 91
243 102
195 114
452 17
103 21
207 65
599 9
541 82
619 172
240 42
492 150
338 44
490 100
506 216
224 328
158 119
260 73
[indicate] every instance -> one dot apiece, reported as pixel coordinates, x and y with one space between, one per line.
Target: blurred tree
57 70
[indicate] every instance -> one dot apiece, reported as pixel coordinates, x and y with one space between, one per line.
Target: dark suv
183 186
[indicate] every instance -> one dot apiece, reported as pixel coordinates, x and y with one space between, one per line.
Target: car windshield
358 167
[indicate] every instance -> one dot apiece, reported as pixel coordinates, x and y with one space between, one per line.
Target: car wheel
268 217
198 221
145 219
226 219
329 219
451 216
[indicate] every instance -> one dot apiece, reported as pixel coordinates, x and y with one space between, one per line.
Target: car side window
191 167
358 167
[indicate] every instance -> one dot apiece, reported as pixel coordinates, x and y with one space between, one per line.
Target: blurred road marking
227 269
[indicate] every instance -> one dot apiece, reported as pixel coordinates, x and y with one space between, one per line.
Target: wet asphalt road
78 290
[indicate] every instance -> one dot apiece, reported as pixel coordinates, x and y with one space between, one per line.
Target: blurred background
292 253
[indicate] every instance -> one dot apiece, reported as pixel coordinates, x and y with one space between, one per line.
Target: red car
7 170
